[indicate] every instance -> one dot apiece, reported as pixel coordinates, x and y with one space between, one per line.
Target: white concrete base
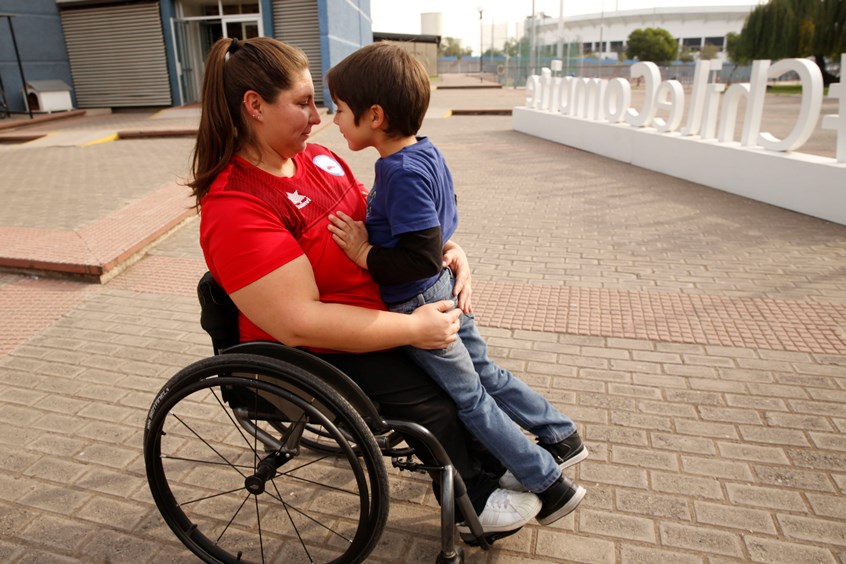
808 184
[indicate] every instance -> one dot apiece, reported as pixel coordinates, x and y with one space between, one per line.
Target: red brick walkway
696 339
31 305
95 249
658 316
678 318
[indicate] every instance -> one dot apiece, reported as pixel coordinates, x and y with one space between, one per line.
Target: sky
460 18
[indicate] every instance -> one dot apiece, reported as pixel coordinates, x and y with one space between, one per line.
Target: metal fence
513 71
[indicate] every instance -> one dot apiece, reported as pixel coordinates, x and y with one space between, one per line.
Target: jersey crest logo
298 200
329 165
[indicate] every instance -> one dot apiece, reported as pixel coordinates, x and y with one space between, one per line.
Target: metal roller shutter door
117 56
296 22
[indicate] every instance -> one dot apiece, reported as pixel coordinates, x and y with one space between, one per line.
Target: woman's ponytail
233 67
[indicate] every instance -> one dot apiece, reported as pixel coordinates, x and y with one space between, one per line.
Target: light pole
559 49
601 27
481 43
532 54
20 67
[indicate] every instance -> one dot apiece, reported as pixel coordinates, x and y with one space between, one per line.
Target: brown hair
261 64
387 75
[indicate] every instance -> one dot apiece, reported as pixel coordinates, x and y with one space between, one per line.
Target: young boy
382 94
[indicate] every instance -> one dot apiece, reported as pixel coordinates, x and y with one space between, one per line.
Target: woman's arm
286 304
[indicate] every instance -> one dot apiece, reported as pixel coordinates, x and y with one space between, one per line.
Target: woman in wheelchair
265 195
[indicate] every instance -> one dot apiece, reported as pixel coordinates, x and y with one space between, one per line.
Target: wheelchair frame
296 407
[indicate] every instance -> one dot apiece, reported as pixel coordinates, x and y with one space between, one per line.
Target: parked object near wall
48 96
596 115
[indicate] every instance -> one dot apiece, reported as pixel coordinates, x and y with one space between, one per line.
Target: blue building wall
167 9
167 12
267 17
41 44
348 29
345 25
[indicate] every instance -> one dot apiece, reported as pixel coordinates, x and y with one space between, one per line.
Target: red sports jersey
253 222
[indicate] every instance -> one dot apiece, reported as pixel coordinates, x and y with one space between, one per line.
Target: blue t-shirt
413 191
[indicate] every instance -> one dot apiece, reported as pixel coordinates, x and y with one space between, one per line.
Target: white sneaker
506 510
509 481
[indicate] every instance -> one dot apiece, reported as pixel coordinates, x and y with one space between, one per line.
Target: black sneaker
559 499
567 452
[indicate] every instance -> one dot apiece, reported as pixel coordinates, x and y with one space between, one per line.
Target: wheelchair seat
266 453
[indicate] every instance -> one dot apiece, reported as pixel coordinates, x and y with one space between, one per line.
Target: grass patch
788 89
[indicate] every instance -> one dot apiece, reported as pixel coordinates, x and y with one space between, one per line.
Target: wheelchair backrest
219 315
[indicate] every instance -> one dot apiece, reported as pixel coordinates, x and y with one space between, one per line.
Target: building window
230 8
240 8
715 41
692 43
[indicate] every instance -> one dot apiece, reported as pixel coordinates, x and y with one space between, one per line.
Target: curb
14 138
16 123
156 133
469 87
481 112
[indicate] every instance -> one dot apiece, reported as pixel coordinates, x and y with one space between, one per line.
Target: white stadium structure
606 33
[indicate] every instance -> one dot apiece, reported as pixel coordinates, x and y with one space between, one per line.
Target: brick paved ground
115 198
697 338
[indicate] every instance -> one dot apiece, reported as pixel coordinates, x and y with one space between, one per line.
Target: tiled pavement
697 338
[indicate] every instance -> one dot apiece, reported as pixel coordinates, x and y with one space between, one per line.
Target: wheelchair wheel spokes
236 492
257 526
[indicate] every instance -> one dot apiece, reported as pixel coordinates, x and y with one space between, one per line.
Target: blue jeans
490 399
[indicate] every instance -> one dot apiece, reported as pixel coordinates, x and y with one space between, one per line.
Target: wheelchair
266 453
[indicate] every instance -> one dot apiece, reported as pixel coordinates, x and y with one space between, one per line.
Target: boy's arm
351 236
419 253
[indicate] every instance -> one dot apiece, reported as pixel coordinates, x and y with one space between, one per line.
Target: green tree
734 50
517 48
451 47
652 44
781 29
708 52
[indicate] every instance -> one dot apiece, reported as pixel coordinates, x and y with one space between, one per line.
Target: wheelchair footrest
410 465
490 538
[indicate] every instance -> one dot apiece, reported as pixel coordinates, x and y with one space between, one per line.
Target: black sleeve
418 255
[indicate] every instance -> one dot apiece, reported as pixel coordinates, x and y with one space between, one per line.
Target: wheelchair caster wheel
456 558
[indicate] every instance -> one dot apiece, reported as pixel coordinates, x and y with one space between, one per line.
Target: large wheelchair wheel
222 448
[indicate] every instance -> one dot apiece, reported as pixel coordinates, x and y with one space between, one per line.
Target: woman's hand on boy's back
351 236
456 260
